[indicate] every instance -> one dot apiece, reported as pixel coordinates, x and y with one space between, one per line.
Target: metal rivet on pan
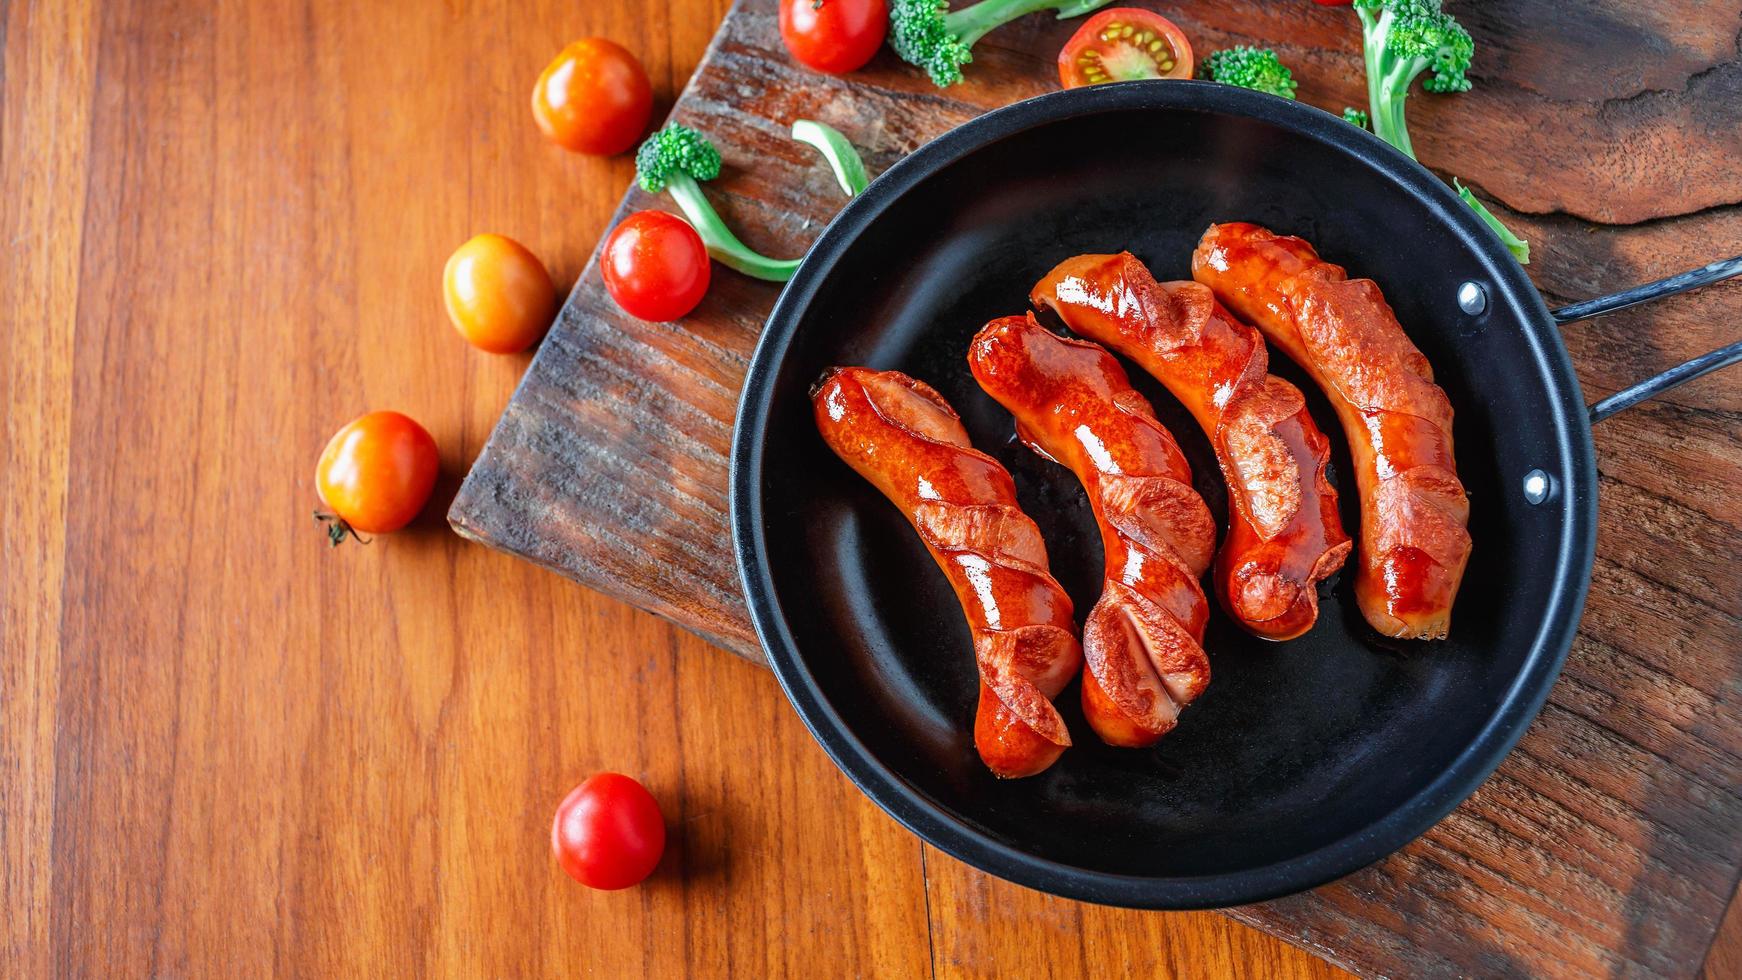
1537 486
1472 298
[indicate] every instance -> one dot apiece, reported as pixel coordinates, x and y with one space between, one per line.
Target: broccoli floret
1254 68
928 34
675 151
1400 41
1355 117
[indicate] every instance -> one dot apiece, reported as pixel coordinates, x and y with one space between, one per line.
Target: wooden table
225 750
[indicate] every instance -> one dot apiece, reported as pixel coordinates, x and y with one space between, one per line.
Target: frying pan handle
1680 374
1692 279
1657 384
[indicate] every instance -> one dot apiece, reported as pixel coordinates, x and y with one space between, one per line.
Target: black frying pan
1303 761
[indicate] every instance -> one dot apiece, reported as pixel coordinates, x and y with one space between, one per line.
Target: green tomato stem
724 246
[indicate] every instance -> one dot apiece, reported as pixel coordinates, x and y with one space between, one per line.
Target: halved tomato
1122 44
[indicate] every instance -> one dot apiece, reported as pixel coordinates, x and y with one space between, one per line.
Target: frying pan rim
1390 831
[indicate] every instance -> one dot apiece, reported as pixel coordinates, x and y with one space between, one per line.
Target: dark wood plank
1606 843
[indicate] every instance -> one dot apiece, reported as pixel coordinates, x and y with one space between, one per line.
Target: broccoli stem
835 148
1387 80
1388 113
972 23
1519 248
722 244
1079 8
1372 50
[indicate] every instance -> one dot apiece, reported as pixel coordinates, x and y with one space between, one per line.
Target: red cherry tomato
608 832
655 266
834 36
594 98
1122 44
376 474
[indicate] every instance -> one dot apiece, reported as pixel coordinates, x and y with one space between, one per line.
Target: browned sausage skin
1414 541
1142 643
903 437
1284 534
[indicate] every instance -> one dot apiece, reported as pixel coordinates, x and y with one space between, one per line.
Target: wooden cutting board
1608 133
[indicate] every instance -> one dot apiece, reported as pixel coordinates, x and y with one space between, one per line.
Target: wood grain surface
1609 135
226 751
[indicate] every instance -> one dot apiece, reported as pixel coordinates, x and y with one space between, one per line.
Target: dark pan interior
1296 746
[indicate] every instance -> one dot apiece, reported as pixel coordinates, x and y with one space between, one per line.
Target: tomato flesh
1124 44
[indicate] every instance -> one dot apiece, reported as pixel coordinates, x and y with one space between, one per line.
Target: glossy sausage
1284 535
1414 541
903 437
1143 641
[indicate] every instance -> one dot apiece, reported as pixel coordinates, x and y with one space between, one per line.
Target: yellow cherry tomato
498 294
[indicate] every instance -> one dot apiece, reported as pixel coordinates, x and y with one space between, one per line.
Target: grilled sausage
1284 535
903 437
1414 541
1142 643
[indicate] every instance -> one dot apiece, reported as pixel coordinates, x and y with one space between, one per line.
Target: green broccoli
1254 68
1355 117
1400 40
677 157
843 159
1517 246
928 34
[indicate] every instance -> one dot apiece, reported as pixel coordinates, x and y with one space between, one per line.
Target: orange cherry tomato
376 474
1122 44
498 294
594 98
